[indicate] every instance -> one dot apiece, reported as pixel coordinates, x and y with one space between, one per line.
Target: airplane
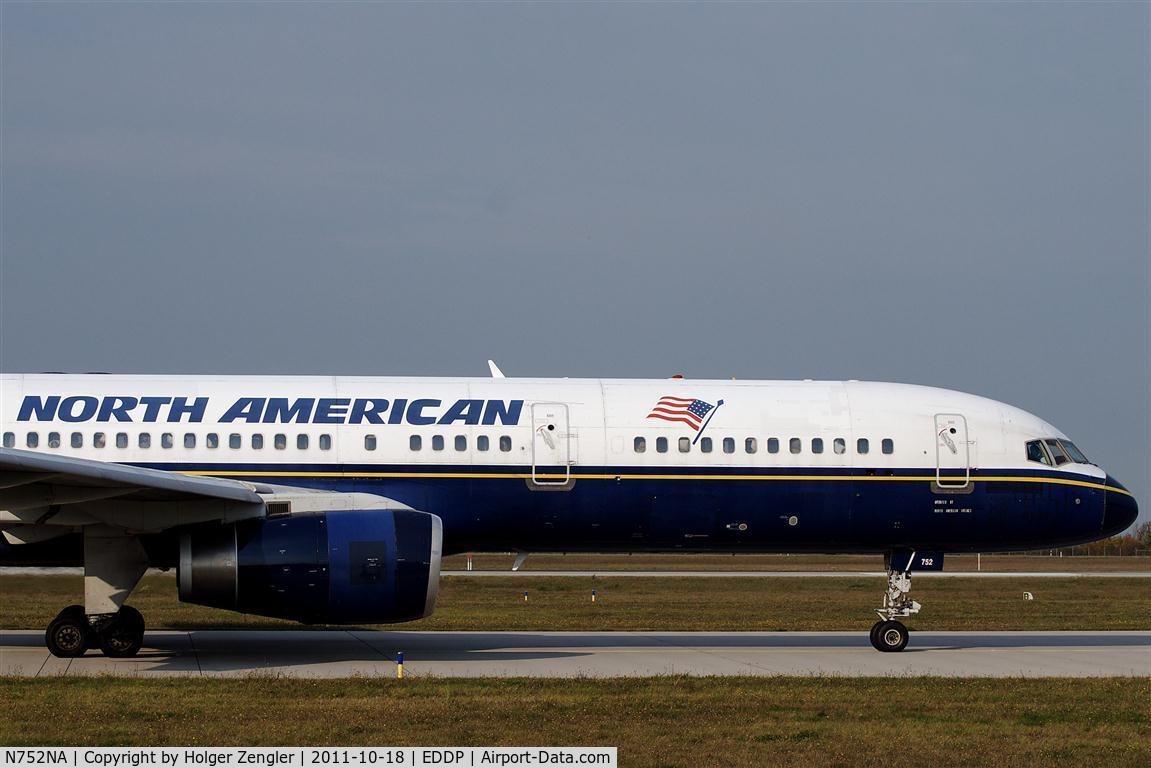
333 499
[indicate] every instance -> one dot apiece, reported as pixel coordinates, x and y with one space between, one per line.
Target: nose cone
1120 509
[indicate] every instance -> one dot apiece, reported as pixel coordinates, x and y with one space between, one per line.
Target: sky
956 195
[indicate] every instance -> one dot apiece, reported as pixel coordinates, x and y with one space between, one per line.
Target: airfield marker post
400 665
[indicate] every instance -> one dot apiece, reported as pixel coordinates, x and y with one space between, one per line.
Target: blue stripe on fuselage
717 508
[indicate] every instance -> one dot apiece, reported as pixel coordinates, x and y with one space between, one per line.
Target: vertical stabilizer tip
495 369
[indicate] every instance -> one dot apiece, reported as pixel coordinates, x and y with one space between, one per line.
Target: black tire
122 637
874 636
78 612
69 634
132 618
891 637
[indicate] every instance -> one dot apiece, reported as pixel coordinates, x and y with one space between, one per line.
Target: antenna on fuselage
495 369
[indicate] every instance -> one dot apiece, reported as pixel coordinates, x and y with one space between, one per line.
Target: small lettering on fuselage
271 410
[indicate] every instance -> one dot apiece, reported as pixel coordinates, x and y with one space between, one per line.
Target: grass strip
657 604
658 722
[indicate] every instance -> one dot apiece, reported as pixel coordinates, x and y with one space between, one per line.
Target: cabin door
551 444
952 451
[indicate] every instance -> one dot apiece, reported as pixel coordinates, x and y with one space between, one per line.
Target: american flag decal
685 409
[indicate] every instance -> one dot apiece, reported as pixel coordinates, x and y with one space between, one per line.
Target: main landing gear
114 561
118 635
888 634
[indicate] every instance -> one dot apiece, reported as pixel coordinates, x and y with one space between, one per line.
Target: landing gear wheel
69 634
889 636
122 637
875 634
132 617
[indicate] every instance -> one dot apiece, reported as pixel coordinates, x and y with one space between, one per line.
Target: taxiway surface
291 653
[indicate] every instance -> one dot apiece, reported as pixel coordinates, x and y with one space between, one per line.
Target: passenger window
166 440
839 445
189 440
301 442
279 441
750 445
9 439
795 445
640 445
817 445
1057 452
684 444
234 441
121 439
461 443
98 440
415 443
888 445
1035 452
212 440
482 443
661 445
369 442
862 445
325 442
505 443
773 445
437 442
53 439
77 440
705 445
32 440
729 445
145 440
257 441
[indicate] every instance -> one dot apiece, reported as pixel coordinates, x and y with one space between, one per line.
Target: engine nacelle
334 566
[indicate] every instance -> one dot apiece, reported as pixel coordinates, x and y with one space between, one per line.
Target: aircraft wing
42 496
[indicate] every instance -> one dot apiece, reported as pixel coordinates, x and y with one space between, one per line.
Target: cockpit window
1075 454
1035 452
1057 452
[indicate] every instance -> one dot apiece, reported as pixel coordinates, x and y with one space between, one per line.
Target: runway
333 654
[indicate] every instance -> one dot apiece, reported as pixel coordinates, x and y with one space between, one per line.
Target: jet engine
332 566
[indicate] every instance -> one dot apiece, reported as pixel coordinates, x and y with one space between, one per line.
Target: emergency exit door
551 444
952 451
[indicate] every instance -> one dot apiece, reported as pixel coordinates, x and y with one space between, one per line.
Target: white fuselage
603 420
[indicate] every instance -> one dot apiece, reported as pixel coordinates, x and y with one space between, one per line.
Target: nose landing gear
888 634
